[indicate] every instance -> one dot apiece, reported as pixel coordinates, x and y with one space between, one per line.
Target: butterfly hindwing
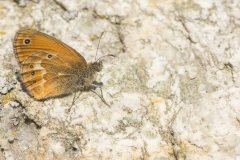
44 76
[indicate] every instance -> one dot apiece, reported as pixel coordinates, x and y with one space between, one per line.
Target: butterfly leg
101 97
74 99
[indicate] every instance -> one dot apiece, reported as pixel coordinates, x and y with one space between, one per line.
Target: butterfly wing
27 42
45 75
49 68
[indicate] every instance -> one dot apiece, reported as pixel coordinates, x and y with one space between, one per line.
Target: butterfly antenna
101 97
98 45
105 56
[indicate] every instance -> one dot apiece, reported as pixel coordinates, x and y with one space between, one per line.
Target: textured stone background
173 86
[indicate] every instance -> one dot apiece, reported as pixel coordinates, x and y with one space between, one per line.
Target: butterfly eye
27 41
31 66
33 73
34 81
49 56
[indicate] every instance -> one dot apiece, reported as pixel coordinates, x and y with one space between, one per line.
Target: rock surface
173 87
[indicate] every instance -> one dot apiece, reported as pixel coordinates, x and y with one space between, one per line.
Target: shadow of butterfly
50 68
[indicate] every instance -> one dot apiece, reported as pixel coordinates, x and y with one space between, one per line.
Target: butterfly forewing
27 42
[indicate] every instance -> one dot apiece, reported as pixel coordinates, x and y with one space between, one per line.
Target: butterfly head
97 66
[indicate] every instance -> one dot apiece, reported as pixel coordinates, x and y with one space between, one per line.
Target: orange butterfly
50 68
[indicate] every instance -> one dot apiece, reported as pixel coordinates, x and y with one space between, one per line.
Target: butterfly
51 68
